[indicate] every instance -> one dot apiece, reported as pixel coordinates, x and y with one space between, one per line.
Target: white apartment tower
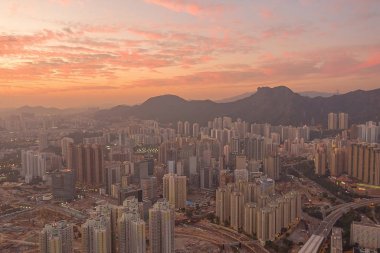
161 228
175 189
57 238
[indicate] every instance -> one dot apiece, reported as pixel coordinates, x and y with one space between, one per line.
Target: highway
327 224
322 232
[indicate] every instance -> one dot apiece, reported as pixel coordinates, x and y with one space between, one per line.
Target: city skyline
69 53
77 183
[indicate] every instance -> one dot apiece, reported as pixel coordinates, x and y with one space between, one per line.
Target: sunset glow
70 53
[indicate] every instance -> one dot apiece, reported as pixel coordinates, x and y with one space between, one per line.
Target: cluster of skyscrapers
357 159
57 237
115 229
36 164
144 154
368 132
363 162
175 190
337 121
253 207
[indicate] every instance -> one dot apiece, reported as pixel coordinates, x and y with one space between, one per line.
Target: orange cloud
63 2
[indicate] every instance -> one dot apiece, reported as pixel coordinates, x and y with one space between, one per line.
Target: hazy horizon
232 97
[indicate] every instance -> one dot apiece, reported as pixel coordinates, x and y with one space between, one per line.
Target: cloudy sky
105 52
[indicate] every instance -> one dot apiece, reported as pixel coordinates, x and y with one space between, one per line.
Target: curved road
327 224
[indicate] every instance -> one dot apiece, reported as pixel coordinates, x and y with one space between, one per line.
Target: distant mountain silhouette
278 105
311 94
235 98
41 110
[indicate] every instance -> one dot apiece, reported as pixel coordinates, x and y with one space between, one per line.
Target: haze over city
189 126
74 53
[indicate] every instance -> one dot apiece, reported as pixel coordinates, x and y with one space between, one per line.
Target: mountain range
311 94
41 110
278 105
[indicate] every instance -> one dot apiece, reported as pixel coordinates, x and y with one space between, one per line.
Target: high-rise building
250 218
131 233
272 166
130 191
196 130
175 189
65 147
143 169
180 168
255 148
206 178
265 224
332 121
237 210
43 142
88 163
343 120
320 161
129 206
253 207
192 165
241 175
225 177
369 132
223 205
96 234
35 164
171 166
161 228
240 162
180 129
186 129
338 160
149 188
113 175
366 235
63 185
57 238
363 162
336 241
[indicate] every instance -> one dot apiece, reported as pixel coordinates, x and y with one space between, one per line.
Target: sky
75 53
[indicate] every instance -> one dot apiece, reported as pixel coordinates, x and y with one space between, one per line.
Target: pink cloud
194 8
100 28
313 66
283 32
77 54
266 14
373 60
202 79
147 34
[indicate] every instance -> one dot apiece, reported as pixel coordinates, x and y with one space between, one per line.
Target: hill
278 105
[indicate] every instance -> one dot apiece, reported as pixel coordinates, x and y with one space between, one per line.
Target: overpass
324 228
